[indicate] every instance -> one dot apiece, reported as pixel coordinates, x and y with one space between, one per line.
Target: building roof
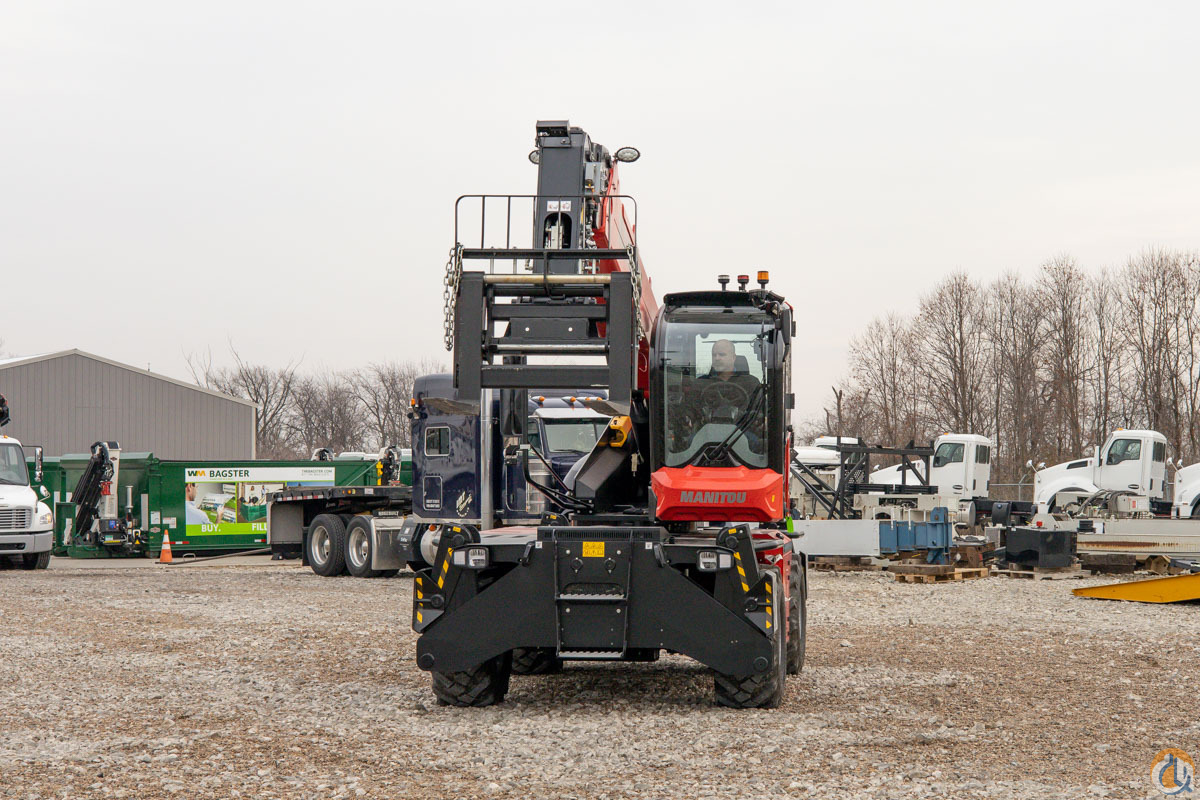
5 363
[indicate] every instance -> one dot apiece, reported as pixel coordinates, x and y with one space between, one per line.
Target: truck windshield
948 453
573 435
715 379
12 465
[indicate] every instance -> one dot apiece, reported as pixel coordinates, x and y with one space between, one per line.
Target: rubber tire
764 689
485 685
797 615
535 661
335 529
359 530
35 560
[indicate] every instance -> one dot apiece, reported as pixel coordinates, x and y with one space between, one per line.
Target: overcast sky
174 176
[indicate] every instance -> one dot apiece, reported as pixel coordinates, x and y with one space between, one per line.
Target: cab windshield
715 376
12 466
573 435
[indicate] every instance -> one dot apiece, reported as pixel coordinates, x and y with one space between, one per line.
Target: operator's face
722 356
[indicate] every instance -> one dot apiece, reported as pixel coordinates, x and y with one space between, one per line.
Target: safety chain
450 293
635 272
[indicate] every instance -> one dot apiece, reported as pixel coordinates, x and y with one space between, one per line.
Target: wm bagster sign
258 474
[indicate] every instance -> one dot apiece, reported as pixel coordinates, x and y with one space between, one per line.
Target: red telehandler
669 535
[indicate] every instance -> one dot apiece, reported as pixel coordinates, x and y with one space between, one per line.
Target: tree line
1047 367
361 409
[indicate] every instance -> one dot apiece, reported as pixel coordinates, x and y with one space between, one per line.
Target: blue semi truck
374 531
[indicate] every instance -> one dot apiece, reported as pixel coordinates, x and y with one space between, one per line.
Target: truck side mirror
516 453
37 465
1029 464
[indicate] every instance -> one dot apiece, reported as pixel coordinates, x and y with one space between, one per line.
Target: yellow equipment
1175 589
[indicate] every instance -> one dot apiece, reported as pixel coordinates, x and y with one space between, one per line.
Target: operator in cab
726 396
742 386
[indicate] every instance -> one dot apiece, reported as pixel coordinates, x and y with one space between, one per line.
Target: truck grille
15 519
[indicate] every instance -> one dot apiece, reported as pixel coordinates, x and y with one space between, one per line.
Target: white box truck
26 523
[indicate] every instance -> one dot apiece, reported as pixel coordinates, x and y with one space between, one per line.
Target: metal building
66 401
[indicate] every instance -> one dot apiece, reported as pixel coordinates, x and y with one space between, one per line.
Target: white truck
1117 499
26 523
1130 463
961 466
961 472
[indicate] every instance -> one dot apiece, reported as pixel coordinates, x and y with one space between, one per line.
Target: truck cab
961 466
1131 461
26 523
447 451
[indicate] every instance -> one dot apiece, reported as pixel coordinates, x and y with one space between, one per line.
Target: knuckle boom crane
667 535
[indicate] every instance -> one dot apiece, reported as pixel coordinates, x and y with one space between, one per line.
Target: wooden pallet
1044 574
956 574
843 564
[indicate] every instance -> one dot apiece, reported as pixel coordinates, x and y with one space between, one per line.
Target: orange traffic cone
165 556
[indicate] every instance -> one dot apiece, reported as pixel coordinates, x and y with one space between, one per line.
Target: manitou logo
712 498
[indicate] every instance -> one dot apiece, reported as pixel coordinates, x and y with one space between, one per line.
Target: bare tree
1047 367
269 388
952 358
384 391
1062 294
1015 340
1154 296
882 362
326 413
1106 368
849 415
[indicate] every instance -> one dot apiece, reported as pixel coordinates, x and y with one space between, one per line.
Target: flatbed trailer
336 529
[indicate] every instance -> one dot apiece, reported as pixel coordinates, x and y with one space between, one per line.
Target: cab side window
982 454
437 441
1124 450
948 453
1160 452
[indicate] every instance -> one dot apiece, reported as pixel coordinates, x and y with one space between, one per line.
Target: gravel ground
272 682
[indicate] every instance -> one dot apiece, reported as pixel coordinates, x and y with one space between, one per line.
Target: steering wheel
724 393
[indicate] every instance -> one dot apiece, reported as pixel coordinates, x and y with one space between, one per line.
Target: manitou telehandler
668 535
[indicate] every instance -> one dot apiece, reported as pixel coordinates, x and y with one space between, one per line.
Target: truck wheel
797 615
35 560
358 549
764 689
485 685
535 661
326 545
